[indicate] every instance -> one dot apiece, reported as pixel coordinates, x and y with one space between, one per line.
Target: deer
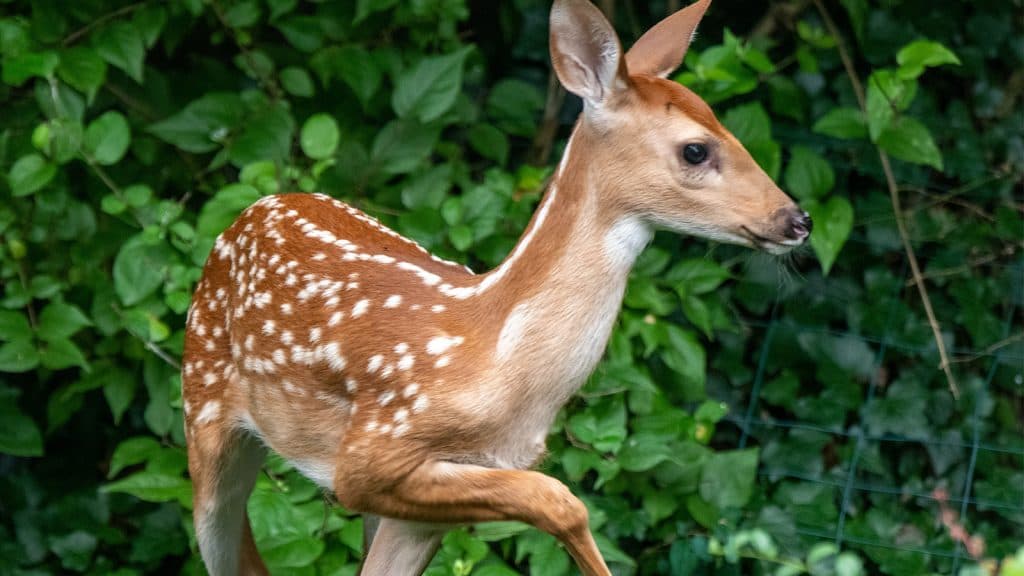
418 393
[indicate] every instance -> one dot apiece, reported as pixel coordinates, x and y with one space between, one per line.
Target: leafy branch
894 196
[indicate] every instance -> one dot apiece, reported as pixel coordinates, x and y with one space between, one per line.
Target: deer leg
223 465
444 492
371 524
401 547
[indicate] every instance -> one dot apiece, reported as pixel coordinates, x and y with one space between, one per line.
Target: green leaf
428 189
461 237
83 69
153 486
150 21
833 221
489 142
292 551
684 354
697 276
842 123
14 326
887 95
267 135
204 124
132 451
18 356
910 140
918 55
119 390
319 138
296 81
30 174
749 123
18 69
808 175
402 145
139 269
61 320
727 479
303 32
137 195
107 138
19 435
356 67
65 140
62 353
427 90
366 7
220 211
242 14
75 549
641 452
122 46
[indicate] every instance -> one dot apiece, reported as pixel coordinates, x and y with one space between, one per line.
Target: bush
746 414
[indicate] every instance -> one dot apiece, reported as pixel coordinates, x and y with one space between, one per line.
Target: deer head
680 168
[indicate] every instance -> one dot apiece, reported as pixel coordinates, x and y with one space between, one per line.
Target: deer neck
558 293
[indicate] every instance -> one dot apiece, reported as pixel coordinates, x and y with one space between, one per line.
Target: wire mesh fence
853 486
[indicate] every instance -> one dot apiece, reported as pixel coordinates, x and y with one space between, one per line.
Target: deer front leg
401 547
444 492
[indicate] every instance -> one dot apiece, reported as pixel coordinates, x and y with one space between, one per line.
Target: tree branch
894 196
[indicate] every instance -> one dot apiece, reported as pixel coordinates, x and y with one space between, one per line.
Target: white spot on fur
374 364
420 404
360 308
441 344
335 360
512 331
393 301
406 362
386 398
209 413
410 390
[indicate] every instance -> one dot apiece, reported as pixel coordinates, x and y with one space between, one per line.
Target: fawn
418 392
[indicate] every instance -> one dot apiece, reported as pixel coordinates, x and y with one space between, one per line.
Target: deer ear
662 48
585 51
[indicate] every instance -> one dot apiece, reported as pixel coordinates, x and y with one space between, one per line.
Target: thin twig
992 348
1009 250
163 355
540 149
78 34
894 196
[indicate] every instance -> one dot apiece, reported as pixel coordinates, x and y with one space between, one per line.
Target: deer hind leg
401 547
449 493
224 464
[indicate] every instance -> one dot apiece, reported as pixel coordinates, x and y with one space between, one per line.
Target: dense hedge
748 411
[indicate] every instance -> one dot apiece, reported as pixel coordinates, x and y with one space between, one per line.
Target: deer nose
800 225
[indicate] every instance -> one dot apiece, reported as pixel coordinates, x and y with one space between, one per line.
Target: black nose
800 225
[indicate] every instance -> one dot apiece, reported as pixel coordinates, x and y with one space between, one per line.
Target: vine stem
78 34
894 196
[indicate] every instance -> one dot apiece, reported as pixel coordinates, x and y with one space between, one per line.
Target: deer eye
695 153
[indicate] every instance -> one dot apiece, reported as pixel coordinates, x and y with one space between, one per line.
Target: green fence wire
846 482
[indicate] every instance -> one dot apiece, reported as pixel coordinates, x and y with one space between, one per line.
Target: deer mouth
776 247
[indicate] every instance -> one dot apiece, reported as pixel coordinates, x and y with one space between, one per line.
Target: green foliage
741 418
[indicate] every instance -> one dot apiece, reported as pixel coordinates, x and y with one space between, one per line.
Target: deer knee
563 514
